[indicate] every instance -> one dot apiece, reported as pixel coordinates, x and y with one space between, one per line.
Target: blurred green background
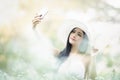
25 55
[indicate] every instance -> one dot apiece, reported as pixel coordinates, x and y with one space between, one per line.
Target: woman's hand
94 51
37 19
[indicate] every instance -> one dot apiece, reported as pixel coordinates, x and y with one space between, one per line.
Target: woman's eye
79 35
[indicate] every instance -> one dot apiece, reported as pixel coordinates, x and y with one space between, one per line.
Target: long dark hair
66 51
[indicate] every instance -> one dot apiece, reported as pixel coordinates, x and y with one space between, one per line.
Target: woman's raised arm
37 19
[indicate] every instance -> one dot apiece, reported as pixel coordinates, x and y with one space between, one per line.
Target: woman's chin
72 42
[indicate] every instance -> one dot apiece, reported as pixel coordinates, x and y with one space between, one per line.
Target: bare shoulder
56 52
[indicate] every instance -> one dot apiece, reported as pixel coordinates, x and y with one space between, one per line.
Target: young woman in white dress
75 58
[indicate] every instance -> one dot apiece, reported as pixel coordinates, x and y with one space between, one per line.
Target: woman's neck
74 50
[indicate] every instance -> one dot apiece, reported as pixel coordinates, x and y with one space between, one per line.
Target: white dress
73 66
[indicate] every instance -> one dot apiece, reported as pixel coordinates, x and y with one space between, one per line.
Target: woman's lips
73 39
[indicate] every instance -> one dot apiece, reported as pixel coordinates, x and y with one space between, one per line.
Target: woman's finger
37 19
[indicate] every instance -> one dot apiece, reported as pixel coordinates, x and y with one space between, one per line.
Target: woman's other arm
92 64
90 72
92 68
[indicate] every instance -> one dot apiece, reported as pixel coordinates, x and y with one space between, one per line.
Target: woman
75 58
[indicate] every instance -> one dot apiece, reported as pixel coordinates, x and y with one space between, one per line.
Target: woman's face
76 36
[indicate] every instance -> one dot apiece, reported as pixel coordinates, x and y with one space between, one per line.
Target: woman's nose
74 35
